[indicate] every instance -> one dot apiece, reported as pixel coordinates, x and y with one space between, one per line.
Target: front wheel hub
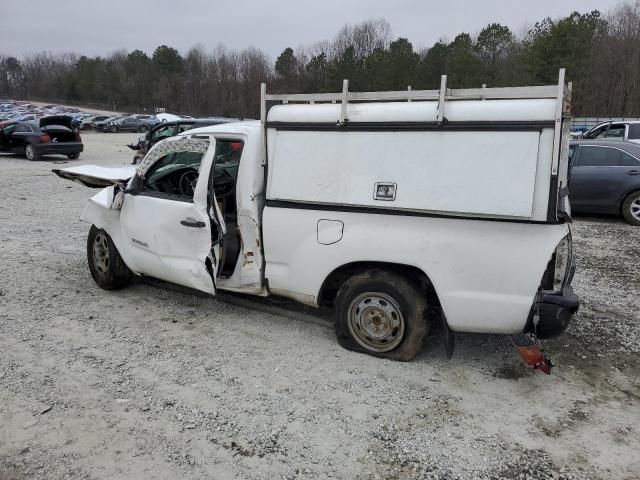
376 321
101 254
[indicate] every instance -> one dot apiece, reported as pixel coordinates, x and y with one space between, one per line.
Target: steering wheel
187 182
223 184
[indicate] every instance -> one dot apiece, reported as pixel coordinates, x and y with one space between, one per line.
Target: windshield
159 150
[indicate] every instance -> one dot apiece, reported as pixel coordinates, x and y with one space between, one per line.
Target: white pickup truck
396 208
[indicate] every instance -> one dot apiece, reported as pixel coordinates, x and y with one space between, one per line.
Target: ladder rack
560 92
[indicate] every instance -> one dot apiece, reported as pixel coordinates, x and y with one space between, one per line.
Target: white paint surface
455 111
486 273
485 173
114 174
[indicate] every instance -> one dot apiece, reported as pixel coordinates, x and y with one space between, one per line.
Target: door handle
190 222
633 172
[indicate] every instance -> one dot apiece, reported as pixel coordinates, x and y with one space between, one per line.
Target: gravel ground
154 383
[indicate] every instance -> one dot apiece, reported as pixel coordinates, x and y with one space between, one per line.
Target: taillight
45 138
78 139
562 267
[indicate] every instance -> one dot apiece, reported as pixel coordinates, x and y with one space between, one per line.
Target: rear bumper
555 311
63 148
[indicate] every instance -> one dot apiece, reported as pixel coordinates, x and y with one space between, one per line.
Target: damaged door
171 231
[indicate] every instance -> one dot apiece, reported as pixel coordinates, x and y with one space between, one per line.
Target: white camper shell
397 208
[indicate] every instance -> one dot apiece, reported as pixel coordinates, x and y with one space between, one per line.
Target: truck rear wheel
382 314
105 263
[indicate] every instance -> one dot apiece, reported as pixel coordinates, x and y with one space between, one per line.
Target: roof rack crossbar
560 91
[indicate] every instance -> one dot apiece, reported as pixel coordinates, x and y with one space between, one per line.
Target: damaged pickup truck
399 209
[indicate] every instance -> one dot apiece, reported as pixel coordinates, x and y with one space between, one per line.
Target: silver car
622 130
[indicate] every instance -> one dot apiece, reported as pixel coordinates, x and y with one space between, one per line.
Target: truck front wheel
382 314
105 263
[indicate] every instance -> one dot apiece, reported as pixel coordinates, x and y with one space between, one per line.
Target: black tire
383 289
113 129
631 206
105 263
31 153
73 156
143 128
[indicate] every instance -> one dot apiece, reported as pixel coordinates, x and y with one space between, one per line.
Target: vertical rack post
263 103
442 98
409 88
263 120
345 100
558 123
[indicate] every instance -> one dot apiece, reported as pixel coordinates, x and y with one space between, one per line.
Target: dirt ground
157 384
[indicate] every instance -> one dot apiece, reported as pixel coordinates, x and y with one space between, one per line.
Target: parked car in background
24 117
578 130
605 178
628 130
80 117
100 124
169 129
172 117
131 124
87 123
49 135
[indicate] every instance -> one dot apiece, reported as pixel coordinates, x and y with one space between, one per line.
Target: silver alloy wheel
29 152
635 208
101 253
376 322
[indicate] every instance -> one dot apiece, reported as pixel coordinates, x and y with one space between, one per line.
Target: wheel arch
626 194
333 281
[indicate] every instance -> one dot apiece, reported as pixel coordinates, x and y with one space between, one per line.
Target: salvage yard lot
154 383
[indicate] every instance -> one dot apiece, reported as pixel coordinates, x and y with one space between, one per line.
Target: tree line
601 54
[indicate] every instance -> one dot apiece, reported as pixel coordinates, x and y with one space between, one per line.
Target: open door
95 176
170 227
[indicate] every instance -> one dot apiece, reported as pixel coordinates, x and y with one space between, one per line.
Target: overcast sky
98 27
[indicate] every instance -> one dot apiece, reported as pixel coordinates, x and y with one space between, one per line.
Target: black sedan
49 135
605 178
